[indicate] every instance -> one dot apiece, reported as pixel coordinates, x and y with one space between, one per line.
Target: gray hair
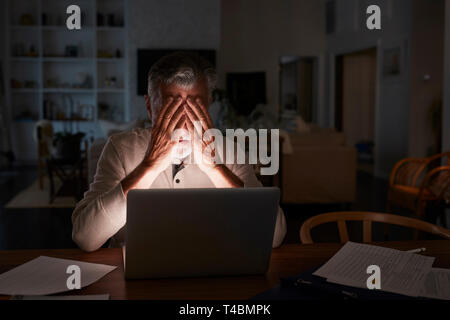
182 69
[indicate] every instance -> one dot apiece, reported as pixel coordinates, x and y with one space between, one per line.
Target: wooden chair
367 218
416 182
44 135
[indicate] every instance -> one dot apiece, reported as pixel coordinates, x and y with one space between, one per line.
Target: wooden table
287 260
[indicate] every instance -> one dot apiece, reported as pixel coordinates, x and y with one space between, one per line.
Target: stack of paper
45 275
437 284
401 272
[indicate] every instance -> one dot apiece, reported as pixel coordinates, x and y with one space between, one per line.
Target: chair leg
420 212
386 228
444 217
52 186
41 174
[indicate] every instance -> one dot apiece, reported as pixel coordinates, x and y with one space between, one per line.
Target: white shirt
101 214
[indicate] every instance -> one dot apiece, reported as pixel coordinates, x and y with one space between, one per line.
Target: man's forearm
222 177
141 177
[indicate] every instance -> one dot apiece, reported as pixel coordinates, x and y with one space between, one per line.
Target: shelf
52 67
110 60
67 90
110 28
67 59
25 59
25 120
64 29
20 28
24 90
110 90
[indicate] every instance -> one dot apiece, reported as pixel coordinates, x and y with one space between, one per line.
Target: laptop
199 232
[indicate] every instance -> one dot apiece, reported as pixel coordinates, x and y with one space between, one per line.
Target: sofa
320 168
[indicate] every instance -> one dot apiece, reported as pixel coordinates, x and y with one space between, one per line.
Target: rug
33 197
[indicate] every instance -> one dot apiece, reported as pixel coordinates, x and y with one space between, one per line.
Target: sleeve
102 211
247 175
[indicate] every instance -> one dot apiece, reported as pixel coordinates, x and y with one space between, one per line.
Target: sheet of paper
437 284
85 297
46 275
401 272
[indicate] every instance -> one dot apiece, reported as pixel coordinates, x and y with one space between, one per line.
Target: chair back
367 218
412 171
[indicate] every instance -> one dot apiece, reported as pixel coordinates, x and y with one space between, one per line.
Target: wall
256 33
427 58
392 97
446 104
177 24
446 85
2 55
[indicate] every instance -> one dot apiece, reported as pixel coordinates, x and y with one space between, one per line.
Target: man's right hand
159 151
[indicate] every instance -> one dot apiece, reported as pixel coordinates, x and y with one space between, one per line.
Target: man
179 94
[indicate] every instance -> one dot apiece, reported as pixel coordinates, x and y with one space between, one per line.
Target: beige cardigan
101 214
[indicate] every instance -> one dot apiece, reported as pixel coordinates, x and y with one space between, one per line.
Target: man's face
197 91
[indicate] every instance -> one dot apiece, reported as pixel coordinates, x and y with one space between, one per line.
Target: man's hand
203 146
220 175
159 151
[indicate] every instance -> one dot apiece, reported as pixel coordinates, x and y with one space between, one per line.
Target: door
355 100
358 96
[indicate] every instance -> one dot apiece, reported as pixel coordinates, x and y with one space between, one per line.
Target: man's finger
172 108
173 122
194 117
200 110
195 130
198 133
158 117
168 110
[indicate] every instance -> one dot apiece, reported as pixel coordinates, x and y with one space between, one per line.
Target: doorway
298 87
355 103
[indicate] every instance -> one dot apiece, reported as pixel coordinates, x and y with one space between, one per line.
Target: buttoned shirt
101 214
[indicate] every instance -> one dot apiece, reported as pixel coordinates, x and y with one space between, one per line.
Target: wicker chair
416 182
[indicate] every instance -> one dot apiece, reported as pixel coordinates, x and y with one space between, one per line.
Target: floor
371 196
51 228
30 228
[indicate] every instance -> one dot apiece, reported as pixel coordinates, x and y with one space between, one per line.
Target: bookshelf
65 76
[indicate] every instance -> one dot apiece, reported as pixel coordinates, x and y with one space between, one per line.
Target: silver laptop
199 232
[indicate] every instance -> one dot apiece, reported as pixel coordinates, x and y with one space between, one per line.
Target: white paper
85 297
437 284
401 272
46 275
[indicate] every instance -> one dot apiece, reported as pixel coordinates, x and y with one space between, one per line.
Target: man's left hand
203 146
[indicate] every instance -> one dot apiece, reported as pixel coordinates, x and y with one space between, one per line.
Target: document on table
46 275
401 272
437 284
